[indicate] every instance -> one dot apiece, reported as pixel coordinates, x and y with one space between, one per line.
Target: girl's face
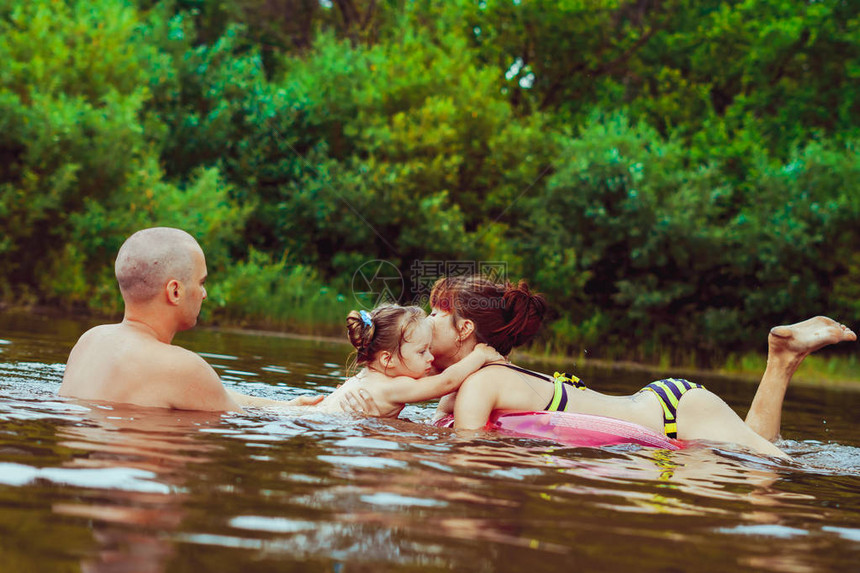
415 359
446 339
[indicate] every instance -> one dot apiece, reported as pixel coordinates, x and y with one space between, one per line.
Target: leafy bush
676 177
275 294
630 228
70 94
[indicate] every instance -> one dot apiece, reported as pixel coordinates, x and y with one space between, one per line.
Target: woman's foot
805 337
787 347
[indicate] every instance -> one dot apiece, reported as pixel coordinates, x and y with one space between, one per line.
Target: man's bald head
150 258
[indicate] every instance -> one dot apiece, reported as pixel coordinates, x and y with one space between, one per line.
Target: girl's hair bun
360 331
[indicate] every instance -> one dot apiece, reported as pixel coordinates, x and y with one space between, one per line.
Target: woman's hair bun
524 312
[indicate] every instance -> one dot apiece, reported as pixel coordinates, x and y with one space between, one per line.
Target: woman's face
446 341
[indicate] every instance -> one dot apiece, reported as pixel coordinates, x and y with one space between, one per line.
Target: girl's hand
488 352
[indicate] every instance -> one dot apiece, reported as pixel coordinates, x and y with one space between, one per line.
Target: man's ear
174 291
466 329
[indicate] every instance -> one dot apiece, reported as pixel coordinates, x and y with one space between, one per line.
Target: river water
89 487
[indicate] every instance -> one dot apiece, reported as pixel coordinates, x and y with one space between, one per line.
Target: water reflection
102 488
129 523
123 468
425 483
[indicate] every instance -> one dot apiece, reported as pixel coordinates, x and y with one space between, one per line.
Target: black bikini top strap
523 370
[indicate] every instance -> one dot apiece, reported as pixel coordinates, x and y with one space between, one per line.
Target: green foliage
70 92
629 228
805 223
80 174
263 292
674 176
625 228
387 152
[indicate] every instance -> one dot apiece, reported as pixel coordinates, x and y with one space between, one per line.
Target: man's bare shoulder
119 363
119 345
96 332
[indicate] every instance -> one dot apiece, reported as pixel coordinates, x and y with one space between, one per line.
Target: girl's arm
403 389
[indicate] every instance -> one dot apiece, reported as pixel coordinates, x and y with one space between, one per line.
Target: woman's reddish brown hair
505 315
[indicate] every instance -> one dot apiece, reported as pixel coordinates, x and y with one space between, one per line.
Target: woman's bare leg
702 415
787 347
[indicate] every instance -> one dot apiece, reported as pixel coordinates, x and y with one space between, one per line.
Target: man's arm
196 386
256 402
200 388
361 403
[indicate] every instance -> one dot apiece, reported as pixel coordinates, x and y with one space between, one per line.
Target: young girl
393 346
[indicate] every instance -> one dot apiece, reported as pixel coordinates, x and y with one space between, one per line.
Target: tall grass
263 293
274 294
818 369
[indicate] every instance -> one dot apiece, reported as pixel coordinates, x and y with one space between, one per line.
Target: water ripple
127 479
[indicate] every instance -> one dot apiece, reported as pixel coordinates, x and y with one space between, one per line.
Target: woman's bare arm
476 400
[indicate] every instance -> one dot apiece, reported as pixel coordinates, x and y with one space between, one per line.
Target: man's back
124 363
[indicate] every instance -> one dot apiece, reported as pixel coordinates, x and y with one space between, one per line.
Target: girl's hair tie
365 317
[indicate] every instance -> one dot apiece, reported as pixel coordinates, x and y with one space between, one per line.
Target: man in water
161 274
